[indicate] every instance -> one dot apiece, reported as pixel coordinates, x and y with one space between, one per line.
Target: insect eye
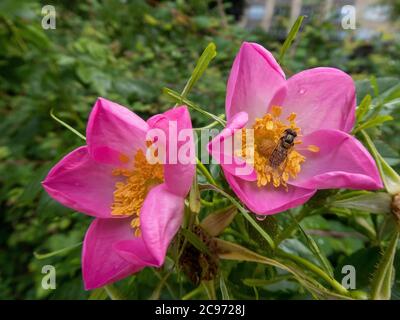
291 132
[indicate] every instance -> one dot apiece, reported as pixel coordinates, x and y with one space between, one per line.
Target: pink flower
301 134
138 206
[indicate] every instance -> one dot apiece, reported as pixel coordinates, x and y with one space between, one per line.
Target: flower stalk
316 270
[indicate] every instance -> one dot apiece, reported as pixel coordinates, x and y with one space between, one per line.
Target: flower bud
199 266
396 208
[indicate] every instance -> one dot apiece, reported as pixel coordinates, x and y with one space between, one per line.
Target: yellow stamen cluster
131 191
268 132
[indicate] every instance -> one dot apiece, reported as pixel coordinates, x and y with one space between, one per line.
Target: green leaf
388 152
297 247
365 86
232 251
349 194
224 289
376 121
210 289
315 250
382 281
98 294
390 177
290 38
36 36
149 19
113 292
315 269
364 227
265 282
363 107
374 85
34 186
41 256
208 54
391 94
193 293
195 241
162 282
364 261
373 202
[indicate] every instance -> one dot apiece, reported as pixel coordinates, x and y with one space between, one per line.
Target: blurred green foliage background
127 51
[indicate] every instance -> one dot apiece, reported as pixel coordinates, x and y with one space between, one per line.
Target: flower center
131 191
276 156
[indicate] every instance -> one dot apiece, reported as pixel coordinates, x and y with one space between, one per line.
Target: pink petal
101 264
80 183
267 200
135 251
178 170
114 131
322 98
256 81
222 146
160 218
342 162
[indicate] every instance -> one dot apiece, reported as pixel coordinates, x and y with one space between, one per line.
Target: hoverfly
281 150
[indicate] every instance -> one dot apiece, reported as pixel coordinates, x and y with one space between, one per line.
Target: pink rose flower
138 206
301 134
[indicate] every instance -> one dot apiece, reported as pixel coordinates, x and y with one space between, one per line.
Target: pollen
274 161
313 148
131 190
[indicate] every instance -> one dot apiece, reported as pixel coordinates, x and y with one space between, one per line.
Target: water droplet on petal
302 91
260 218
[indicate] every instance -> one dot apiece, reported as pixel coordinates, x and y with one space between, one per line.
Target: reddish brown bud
200 266
396 208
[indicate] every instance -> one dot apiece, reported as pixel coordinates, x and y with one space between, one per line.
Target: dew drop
302 91
261 218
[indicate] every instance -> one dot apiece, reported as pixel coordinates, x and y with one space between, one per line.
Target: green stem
163 281
381 285
209 288
259 229
245 213
41 256
193 293
181 99
212 203
205 172
312 267
286 233
113 293
212 124
66 125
